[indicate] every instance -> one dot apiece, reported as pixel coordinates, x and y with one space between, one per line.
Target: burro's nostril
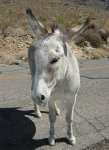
42 97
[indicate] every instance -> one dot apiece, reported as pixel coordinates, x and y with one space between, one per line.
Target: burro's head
49 66
51 59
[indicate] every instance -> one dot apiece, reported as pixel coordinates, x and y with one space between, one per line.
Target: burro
54 72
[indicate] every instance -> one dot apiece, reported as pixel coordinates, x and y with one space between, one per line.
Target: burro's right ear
38 29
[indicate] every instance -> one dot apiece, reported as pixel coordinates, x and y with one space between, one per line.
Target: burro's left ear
38 29
75 31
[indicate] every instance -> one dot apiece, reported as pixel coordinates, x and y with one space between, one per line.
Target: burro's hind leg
52 119
69 120
57 109
37 111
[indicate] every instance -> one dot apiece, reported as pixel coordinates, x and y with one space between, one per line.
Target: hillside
16 34
96 3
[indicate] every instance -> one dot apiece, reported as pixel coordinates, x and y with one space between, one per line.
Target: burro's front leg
36 107
57 109
69 120
52 119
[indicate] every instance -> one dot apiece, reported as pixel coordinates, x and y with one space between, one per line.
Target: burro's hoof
58 112
72 140
38 115
51 141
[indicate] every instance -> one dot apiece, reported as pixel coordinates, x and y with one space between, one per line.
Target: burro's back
54 71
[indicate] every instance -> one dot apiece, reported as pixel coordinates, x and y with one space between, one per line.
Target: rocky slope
16 34
96 3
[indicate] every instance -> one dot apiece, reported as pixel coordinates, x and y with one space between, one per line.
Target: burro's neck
62 70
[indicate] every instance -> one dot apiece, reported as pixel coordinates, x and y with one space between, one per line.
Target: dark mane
54 27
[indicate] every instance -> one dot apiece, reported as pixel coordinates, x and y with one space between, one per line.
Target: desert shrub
67 19
5 1
10 20
93 37
3 28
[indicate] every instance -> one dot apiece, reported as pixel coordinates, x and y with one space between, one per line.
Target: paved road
20 130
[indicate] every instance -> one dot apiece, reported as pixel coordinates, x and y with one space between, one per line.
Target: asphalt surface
20 130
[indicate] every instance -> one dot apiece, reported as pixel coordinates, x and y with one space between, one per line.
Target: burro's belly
62 91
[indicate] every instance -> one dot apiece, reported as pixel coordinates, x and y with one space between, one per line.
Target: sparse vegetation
66 20
14 27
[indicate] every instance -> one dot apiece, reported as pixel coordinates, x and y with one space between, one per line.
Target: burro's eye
54 60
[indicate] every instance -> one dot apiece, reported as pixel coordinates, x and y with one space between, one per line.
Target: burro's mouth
42 103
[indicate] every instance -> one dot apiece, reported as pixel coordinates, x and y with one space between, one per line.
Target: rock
16 62
28 42
84 49
87 44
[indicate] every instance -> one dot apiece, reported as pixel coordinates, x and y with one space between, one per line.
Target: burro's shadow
17 131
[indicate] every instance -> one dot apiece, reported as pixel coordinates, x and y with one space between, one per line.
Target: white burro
54 72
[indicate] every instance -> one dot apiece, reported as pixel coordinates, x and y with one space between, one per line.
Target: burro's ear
38 29
75 31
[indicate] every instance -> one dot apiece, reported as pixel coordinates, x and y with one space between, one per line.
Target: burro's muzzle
42 91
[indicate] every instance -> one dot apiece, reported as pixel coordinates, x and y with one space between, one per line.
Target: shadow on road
17 131
94 78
